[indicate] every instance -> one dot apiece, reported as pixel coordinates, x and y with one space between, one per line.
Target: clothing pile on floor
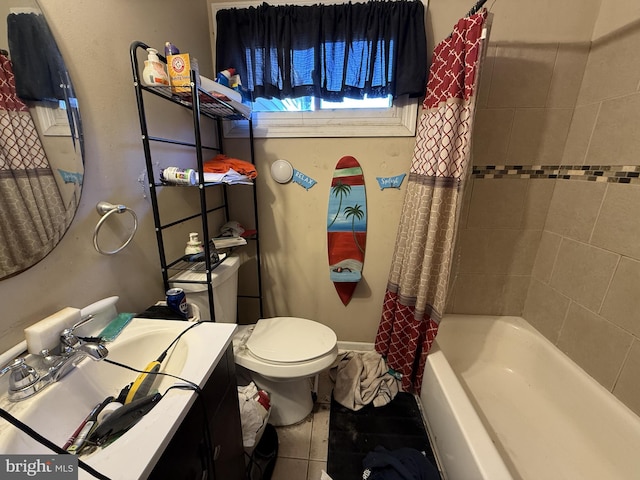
362 378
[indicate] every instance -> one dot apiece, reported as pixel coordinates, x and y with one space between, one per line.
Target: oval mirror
41 143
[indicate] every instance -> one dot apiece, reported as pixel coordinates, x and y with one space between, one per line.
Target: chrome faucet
25 381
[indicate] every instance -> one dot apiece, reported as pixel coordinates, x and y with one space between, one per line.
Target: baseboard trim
355 346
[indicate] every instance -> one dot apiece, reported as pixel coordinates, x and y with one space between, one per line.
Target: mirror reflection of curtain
33 217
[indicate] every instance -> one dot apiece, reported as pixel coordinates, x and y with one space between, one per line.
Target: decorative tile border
592 173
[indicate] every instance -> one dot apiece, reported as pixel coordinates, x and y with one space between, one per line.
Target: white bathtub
502 402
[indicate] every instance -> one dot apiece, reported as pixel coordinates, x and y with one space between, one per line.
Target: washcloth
222 164
362 378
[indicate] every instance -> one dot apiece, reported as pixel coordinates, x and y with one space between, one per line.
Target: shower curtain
417 286
32 213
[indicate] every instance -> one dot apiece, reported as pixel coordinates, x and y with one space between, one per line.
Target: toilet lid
290 339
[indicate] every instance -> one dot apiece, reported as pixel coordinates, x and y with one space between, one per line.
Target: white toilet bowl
282 354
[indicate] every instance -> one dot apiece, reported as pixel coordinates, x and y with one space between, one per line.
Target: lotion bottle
154 73
194 245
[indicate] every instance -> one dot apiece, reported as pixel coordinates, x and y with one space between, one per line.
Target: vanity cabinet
206 126
190 455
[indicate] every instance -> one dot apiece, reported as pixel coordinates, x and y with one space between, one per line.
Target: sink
56 411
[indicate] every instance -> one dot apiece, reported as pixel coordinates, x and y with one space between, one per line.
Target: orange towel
221 164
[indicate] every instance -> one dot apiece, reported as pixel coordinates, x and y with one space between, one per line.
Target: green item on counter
111 331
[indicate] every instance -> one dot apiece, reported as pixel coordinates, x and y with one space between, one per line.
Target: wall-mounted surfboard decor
347 227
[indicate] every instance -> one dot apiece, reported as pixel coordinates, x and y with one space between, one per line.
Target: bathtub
502 402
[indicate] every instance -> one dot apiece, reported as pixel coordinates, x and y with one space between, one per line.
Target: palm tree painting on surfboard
347 227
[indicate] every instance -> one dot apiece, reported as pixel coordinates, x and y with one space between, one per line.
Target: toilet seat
289 340
286 347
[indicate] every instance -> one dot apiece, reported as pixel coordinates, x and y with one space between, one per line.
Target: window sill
398 121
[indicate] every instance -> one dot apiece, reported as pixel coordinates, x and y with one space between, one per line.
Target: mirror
41 141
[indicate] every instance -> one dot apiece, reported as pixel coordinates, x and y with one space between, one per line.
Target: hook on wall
106 209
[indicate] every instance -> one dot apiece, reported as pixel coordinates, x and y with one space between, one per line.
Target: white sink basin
56 411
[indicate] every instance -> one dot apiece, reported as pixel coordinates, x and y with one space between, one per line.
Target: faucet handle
68 338
22 375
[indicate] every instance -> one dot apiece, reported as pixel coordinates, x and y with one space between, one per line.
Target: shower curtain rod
479 4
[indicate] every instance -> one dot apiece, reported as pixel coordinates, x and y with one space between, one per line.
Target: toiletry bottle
154 72
170 49
194 245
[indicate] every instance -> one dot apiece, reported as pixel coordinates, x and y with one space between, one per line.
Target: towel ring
105 209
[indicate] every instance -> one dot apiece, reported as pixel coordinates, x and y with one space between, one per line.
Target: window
314 116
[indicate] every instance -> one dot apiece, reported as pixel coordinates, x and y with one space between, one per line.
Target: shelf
199 267
201 104
210 106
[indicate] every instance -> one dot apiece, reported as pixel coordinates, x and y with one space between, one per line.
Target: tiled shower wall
558 240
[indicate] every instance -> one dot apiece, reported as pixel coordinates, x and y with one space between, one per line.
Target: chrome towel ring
105 209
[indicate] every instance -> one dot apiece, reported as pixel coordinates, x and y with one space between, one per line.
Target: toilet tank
224 279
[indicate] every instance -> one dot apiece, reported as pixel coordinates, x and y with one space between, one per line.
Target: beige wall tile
567 75
498 251
627 388
497 203
598 346
522 75
490 294
574 208
486 72
615 139
537 201
545 309
615 14
613 68
618 225
622 303
546 256
491 132
538 136
467 193
551 21
583 272
579 136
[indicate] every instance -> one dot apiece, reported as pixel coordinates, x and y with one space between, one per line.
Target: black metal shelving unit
201 103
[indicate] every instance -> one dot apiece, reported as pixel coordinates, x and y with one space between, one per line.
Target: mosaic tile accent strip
591 173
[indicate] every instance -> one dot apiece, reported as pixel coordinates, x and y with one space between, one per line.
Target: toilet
279 354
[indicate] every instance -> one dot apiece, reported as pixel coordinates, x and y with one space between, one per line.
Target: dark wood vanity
189 454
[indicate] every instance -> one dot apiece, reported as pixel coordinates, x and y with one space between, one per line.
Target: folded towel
363 378
222 164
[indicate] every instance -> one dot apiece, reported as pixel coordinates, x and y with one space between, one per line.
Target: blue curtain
326 51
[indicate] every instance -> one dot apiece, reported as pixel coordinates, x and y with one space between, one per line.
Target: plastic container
224 279
194 245
154 73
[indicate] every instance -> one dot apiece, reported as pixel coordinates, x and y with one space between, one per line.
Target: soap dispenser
194 245
154 73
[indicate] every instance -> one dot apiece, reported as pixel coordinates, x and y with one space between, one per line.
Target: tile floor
302 448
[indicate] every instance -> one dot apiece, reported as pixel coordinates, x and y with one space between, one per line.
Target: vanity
170 440
186 455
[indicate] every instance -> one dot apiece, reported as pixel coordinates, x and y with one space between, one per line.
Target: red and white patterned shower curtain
33 217
417 287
